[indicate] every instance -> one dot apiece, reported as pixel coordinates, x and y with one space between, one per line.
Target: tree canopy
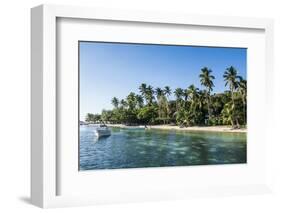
191 105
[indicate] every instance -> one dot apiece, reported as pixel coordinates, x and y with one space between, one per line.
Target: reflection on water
156 148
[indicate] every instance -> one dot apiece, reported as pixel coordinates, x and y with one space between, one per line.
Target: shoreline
227 129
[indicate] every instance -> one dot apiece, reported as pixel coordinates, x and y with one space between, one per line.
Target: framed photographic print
171 124
132 106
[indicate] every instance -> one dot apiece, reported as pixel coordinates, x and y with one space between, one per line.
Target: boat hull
102 133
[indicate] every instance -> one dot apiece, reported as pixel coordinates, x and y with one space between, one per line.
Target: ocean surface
128 148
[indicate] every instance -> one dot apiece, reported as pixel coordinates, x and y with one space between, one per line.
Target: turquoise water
127 148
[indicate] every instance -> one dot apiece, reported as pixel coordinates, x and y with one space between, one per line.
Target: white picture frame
45 171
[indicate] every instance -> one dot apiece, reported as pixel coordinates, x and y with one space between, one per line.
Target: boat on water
102 131
83 123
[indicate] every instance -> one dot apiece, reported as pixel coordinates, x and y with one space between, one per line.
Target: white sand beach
193 128
199 128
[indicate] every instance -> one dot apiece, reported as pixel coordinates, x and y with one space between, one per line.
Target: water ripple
155 148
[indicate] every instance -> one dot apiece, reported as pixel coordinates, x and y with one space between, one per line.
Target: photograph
161 105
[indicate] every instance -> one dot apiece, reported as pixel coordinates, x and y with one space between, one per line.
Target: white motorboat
102 131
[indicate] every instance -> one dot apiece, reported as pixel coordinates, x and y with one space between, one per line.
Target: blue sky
114 69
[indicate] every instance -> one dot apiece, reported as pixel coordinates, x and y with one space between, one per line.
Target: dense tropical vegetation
190 107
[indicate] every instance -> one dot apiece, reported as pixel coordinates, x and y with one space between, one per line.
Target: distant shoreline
193 128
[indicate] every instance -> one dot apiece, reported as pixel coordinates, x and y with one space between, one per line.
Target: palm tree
242 88
149 95
163 105
159 92
115 102
190 110
185 95
191 90
178 94
228 113
167 91
132 101
189 106
206 79
231 78
89 117
123 103
193 93
196 100
139 100
143 89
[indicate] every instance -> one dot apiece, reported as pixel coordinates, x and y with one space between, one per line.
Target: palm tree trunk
208 105
234 110
234 113
244 109
237 123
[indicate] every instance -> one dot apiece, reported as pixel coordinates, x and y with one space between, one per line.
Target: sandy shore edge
194 128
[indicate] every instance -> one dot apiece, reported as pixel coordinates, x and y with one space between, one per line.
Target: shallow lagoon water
128 148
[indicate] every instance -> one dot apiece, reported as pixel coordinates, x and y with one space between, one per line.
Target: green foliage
235 82
115 102
206 79
106 115
190 107
228 114
148 114
93 117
